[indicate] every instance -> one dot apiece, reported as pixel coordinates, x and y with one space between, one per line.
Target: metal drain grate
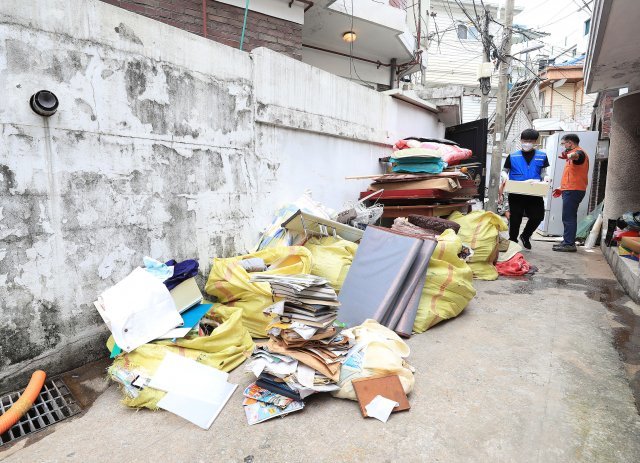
54 404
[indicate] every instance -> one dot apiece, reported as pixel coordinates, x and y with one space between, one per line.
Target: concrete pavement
534 370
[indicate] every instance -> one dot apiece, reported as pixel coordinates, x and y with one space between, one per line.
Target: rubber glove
557 193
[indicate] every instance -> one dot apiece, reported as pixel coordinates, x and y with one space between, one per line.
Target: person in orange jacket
573 187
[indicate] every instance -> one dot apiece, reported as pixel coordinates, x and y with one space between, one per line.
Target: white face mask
527 146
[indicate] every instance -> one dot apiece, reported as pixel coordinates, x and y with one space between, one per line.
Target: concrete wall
154 151
622 191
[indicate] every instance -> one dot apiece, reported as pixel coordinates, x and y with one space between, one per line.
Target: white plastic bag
378 351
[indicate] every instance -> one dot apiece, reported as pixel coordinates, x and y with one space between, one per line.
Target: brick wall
604 112
224 23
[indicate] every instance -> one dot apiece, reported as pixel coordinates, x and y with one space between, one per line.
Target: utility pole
501 110
485 82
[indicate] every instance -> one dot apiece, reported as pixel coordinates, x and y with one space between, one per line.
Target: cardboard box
527 188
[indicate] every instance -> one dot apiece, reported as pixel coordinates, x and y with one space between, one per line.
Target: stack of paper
196 392
305 350
308 300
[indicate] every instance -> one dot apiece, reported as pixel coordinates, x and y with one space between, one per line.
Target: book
388 386
186 295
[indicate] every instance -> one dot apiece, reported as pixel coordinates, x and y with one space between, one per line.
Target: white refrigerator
552 223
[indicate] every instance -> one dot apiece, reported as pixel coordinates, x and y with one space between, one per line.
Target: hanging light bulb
349 36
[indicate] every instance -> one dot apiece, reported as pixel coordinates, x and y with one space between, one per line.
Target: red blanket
516 266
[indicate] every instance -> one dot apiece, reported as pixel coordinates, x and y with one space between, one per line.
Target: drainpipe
244 24
204 18
393 81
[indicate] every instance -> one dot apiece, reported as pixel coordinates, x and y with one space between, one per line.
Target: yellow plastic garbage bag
480 231
449 284
382 352
332 258
229 283
225 348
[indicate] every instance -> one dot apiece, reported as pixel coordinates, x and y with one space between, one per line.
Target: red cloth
514 267
451 154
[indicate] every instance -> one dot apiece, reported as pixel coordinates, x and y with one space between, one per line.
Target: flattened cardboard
388 386
527 188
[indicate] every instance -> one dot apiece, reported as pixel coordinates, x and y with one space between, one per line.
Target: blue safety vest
521 171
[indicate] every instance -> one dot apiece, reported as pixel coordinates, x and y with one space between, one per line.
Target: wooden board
436 210
388 386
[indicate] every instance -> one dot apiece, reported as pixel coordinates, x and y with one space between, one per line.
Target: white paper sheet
305 375
175 333
380 408
196 392
138 309
200 412
305 331
187 377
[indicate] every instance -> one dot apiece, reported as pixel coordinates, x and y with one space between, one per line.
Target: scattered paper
138 309
187 377
258 366
253 391
190 318
201 412
277 308
305 331
258 412
175 333
305 375
195 391
380 408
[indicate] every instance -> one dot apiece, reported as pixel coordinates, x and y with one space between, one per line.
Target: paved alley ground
530 372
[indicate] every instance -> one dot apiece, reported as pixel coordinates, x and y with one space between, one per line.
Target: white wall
451 60
355 70
165 144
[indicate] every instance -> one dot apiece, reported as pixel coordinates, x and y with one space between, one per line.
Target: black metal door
473 136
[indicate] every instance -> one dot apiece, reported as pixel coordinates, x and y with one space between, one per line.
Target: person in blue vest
526 164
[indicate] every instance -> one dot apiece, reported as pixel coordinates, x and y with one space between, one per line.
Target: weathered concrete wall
622 191
165 144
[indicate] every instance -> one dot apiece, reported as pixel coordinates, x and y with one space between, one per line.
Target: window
468 33
462 31
587 26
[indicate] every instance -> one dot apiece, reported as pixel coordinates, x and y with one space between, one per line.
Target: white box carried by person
528 187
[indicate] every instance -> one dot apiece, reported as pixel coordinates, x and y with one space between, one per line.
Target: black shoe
525 242
565 247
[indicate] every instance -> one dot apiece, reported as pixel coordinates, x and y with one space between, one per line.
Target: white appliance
552 223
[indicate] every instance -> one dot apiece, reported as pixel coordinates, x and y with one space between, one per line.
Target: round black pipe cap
44 103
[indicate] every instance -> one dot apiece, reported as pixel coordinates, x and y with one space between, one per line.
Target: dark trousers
570 201
519 206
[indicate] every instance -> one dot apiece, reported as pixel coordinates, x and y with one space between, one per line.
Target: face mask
527 146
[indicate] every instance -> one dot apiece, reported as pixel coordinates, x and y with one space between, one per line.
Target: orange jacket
575 176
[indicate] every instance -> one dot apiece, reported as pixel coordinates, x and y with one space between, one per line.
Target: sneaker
565 247
525 242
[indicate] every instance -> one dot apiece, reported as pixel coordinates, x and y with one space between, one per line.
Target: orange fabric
516 266
575 176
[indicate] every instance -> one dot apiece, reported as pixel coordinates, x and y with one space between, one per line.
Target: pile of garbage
305 349
624 233
320 306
